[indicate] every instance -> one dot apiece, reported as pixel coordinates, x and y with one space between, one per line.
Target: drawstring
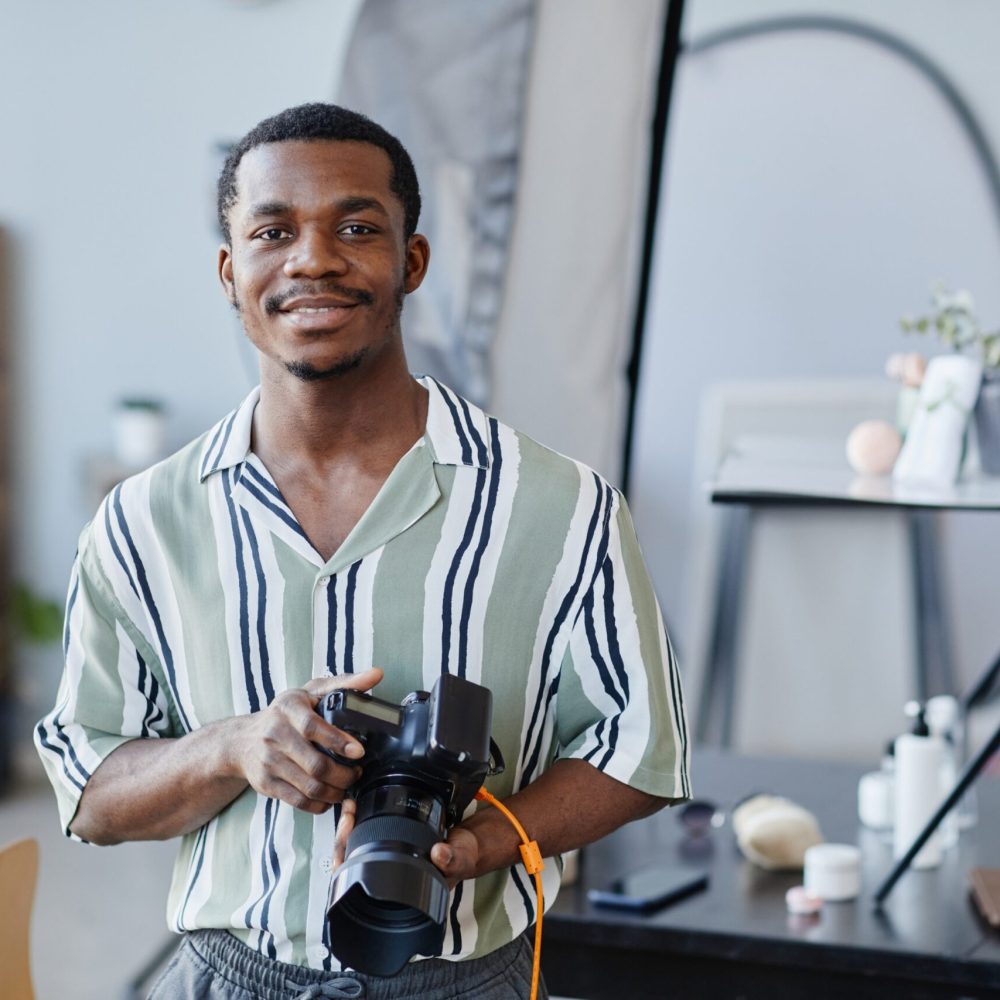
342 986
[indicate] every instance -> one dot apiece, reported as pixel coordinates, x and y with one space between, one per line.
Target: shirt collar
456 431
228 442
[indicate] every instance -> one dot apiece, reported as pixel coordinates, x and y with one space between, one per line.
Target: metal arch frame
940 80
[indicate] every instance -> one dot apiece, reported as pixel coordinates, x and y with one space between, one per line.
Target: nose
316 254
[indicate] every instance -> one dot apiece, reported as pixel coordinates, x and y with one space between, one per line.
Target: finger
315 776
278 789
309 726
319 687
345 826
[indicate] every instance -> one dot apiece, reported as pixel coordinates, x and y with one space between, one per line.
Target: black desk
736 940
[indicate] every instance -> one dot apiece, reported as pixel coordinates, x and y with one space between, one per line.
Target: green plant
35 619
953 320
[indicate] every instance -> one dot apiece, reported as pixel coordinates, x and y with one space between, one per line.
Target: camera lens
388 901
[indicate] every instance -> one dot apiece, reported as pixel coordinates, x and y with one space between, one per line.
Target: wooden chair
18 875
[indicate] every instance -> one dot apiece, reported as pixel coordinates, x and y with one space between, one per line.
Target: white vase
932 452
139 433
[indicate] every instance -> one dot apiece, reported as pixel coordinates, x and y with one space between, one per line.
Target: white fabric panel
565 328
449 83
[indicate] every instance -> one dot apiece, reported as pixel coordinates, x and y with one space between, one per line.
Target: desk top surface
769 480
928 921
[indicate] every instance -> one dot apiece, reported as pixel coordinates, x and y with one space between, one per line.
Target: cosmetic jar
833 872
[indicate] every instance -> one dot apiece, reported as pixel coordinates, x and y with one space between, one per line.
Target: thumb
457 857
318 687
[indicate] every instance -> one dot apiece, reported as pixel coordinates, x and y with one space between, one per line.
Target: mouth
316 306
317 312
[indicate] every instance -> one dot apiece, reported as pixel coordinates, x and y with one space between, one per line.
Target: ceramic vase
987 417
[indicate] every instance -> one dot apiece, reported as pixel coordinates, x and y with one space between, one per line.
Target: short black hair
323 121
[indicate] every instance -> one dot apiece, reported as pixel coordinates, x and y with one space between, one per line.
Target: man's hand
275 751
154 789
458 857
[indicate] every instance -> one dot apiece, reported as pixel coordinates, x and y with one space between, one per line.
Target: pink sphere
872 447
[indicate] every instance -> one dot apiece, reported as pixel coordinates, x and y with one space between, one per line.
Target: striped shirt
196 596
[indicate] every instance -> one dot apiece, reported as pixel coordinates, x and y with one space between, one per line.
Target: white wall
109 117
815 186
783 253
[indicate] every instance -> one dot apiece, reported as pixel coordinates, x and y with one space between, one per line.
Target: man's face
318 264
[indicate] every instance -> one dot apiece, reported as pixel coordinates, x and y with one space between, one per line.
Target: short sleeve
620 704
111 689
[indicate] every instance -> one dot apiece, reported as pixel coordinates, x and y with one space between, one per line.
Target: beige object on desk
18 874
775 833
872 447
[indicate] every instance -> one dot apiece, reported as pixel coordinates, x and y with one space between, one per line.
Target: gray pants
214 965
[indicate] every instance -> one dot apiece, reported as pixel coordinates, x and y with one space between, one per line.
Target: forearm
155 789
570 805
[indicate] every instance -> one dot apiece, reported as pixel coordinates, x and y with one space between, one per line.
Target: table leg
934 670
719 676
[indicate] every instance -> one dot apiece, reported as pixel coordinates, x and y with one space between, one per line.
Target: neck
371 411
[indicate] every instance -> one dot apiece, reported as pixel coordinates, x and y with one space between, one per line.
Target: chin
308 371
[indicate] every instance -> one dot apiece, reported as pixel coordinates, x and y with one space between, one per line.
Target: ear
226 273
418 256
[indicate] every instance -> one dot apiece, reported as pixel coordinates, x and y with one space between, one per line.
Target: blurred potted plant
36 619
953 321
33 621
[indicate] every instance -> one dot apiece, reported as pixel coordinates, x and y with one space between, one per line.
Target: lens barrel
388 901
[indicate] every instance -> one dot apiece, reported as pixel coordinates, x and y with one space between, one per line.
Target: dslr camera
424 761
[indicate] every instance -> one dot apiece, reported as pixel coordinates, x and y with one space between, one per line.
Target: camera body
424 761
441 739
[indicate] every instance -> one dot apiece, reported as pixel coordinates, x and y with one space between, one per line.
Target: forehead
304 173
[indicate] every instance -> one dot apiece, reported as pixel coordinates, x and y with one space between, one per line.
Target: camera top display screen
373 708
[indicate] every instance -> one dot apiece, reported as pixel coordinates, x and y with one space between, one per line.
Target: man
347 515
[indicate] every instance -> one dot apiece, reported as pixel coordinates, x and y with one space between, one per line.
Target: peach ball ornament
872 447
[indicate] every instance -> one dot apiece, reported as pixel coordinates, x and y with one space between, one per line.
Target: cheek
245 284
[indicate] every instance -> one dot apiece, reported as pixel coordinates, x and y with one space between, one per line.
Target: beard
306 372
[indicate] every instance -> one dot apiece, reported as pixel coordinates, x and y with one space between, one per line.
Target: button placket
320 625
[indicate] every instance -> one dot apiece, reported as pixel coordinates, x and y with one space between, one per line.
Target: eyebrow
359 203
355 203
269 208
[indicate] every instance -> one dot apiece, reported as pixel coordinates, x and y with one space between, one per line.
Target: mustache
275 303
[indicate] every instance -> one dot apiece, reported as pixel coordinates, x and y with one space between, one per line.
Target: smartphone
650 888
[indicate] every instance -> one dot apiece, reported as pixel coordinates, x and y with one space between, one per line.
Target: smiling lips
307 313
318 305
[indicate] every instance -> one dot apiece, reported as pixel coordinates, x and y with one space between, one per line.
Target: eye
357 229
272 234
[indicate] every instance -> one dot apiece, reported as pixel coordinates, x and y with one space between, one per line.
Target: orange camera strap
532 858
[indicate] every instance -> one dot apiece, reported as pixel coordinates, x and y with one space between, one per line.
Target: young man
349 526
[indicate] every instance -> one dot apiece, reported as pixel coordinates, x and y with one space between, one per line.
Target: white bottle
920 761
943 721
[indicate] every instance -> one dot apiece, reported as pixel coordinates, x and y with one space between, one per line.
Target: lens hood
384 907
